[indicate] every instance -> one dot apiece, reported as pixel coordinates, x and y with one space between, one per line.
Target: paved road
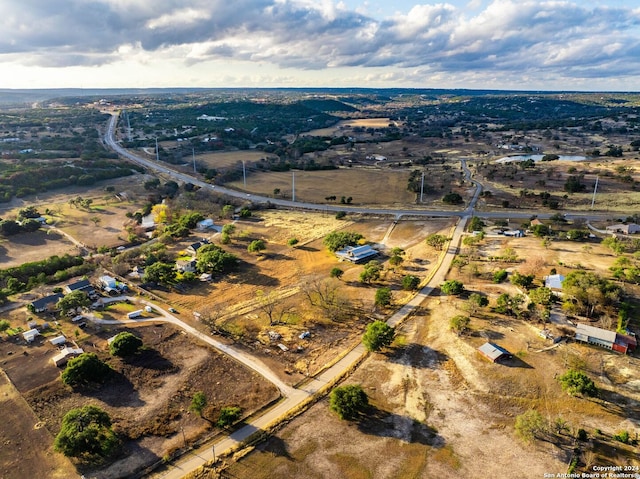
110 141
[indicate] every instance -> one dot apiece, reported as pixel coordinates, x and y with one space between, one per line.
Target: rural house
82 285
621 343
65 354
627 229
357 254
48 303
186 265
30 336
193 248
204 224
494 353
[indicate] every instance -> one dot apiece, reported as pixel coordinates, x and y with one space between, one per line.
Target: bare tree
326 296
271 305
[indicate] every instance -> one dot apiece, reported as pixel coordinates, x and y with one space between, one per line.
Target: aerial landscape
337 240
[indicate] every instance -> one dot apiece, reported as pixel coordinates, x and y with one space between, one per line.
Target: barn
494 353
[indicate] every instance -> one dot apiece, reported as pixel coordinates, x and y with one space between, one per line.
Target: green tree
256 246
336 273
523 280
541 296
213 259
229 415
452 287
540 231
410 282
452 199
348 401
160 272
383 297
499 276
229 229
338 240
293 242
577 383
459 323
86 432
371 271
198 403
73 301
436 241
125 344
227 211
4 325
378 335
530 425
475 224
475 302
509 305
588 293
86 368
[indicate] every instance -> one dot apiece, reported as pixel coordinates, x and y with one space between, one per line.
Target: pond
509 159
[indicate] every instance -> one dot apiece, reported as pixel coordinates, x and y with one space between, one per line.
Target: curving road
296 397
110 141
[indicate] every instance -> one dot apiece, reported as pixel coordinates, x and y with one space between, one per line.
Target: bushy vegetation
577 383
348 402
85 369
378 335
338 240
85 433
125 344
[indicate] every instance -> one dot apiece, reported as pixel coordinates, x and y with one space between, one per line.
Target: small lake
509 159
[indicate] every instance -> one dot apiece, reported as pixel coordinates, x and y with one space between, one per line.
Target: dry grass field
439 408
147 397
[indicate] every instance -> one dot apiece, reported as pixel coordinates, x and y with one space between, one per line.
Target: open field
147 397
364 186
439 408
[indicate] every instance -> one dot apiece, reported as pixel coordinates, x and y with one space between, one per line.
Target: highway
110 141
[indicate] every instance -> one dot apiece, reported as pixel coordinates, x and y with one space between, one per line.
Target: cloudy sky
504 44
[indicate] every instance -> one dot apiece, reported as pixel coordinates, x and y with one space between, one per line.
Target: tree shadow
488 334
275 446
307 248
150 359
117 391
515 362
619 404
377 422
417 356
250 274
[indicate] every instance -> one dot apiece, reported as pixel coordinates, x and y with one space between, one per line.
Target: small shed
630 228
494 353
58 340
30 335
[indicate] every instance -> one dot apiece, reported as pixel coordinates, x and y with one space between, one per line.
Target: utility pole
293 186
422 187
193 154
157 151
244 175
595 188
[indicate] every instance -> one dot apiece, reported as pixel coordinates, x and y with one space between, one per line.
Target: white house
30 335
58 340
65 354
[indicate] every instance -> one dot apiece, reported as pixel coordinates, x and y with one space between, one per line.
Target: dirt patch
148 397
26 445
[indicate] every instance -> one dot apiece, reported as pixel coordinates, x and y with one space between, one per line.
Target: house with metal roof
47 303
494 353
357 254
553 281
65 354
604 338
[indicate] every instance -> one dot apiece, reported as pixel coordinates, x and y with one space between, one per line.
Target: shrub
577 383
228 416
378 335
125 344
86 368
348 401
